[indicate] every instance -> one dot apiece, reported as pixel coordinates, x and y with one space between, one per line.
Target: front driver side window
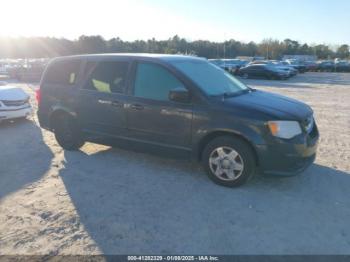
154 82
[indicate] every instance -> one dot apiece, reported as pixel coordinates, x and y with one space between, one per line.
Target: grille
14 102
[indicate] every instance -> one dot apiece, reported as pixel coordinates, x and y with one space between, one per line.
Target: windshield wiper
228 94
237 93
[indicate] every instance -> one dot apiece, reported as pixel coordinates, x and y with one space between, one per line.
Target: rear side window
154 82
63 72
106 77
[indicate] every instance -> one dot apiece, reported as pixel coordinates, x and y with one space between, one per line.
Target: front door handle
137 107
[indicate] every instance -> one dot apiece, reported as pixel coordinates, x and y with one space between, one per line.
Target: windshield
210 78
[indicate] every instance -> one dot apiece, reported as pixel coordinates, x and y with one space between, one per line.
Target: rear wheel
228 161
67 132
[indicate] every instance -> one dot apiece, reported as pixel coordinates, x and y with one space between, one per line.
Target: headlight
284 129
308 124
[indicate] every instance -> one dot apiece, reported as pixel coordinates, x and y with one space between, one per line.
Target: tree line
39 47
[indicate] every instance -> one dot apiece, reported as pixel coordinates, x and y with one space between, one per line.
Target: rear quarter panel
56 97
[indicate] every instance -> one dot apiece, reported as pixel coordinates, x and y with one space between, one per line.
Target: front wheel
67 132
229 161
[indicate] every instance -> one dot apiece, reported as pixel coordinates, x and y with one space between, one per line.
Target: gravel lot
110 201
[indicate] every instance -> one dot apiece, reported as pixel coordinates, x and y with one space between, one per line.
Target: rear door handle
114 103
137 107
104 102
117 104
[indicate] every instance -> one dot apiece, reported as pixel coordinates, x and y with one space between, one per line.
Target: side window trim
80 77
86 77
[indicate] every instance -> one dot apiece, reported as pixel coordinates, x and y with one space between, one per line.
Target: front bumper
7 113
289 157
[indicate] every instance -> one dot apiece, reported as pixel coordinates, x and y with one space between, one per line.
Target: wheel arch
214 134
59 111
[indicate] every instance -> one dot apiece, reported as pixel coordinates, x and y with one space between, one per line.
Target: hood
276 106
12 93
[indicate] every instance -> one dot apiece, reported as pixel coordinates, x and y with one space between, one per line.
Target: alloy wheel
226 163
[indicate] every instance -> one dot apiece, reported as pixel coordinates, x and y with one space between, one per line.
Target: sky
311 21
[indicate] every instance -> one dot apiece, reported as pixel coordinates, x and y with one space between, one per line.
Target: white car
14 103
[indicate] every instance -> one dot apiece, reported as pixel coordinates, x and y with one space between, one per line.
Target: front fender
252 131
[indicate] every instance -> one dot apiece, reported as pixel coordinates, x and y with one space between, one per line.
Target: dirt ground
109 201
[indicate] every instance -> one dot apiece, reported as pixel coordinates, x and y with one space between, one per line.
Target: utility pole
267 51
224 50
224 55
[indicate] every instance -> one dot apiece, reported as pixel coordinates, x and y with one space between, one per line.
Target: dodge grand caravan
180 106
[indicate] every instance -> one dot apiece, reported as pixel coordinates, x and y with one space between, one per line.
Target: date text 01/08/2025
173 258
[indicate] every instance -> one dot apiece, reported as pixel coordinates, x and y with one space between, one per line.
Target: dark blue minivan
178 106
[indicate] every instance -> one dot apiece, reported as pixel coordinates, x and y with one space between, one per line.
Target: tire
228 168
67 132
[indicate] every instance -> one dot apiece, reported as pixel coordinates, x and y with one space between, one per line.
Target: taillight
38 95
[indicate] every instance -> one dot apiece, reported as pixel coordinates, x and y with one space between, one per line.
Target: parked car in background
263 71
342 66
287 66
14 103
257 62
180 106
217 62
235 64
230 65
28 70
326 66
311 66
3 69
298 65
279 65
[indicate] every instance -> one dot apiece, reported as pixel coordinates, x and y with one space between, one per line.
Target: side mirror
179 95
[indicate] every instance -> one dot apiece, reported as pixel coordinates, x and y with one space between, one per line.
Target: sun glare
129 20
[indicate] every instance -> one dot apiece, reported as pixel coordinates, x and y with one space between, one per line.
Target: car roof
259 65
163 57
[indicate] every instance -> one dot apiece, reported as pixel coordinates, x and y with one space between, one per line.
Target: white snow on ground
111 201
